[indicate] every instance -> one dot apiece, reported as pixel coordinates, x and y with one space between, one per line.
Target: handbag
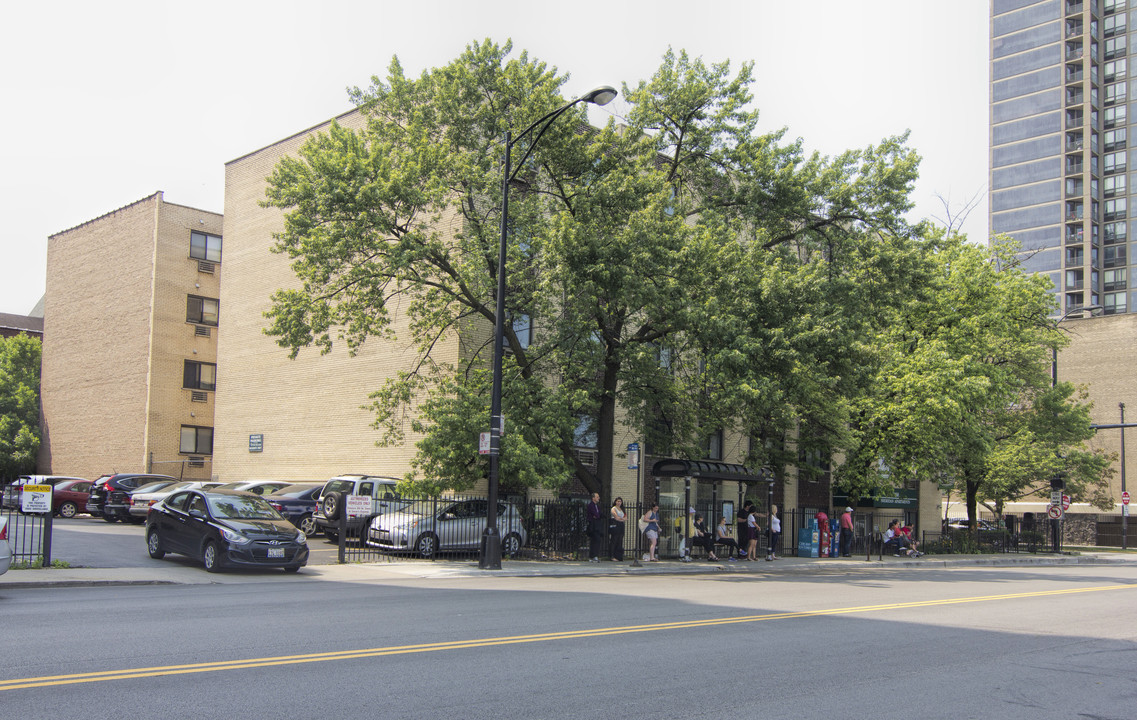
642 524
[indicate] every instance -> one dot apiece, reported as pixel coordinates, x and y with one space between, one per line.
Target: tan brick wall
111 315
309 410
174 339
1100 355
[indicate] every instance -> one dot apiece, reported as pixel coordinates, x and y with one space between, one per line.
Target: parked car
69 498
298 503
14 491
224 528
5 548
384 498
256 487
428 527
144 497
108 496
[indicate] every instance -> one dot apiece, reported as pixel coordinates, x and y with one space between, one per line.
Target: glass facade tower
1059 156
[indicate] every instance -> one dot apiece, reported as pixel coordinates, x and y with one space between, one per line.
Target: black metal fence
558 529
29 536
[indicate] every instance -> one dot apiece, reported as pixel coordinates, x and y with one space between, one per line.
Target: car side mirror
197 514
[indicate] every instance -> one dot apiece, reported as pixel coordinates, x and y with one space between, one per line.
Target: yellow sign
36 499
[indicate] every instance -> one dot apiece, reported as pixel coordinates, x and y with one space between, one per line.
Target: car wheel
209 557
511 545
109 518
309 527
331 504
68 510
426 545
154 545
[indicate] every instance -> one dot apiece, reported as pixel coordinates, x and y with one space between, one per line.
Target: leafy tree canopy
19 404
679 264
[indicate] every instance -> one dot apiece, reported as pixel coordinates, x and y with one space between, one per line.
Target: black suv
110 493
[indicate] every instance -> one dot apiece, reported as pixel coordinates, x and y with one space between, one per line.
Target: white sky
104 103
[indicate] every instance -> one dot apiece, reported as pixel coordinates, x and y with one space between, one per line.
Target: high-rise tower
1058 143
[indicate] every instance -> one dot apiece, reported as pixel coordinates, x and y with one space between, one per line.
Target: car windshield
238 507
229 486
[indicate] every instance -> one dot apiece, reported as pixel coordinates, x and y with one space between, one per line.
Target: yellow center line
126 674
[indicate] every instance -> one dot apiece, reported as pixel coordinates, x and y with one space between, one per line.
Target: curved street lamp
490 557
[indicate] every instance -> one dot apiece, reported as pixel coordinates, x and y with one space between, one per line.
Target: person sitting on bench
722 537
701 537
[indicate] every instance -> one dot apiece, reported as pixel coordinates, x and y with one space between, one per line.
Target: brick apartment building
131 320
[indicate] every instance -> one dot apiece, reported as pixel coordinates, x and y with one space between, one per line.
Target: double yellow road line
127 674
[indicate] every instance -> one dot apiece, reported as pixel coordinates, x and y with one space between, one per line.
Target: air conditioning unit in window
204 266
201 331
198 396
196 462
586 457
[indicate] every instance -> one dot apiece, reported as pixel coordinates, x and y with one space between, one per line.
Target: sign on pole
1125 498
358 505
36 499
1065 503
1055 512
484 444
633 456
1056 497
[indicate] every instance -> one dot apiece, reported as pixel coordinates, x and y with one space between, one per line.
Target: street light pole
1124 508
490 557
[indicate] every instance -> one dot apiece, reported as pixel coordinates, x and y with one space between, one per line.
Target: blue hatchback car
298 504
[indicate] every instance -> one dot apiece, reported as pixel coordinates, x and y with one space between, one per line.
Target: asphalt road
1008 643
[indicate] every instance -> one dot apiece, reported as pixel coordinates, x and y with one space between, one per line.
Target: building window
199 376
1114 70
1114 139
523 329
584 435
1115 116
1114 162
1115 256
1075 279
1115 209
713 445
196 440
1113 185
203 246
1114 280
1114 25
1114 303
202 311
1075 257
1114 232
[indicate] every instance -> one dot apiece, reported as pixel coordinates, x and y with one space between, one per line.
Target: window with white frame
204 246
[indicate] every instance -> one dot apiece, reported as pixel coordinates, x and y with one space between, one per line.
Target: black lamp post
490 558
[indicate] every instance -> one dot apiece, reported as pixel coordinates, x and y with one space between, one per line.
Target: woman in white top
616 522
775 533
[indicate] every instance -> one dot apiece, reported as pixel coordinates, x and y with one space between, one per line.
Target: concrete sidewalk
185 572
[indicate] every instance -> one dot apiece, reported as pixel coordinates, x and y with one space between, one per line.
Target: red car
70 497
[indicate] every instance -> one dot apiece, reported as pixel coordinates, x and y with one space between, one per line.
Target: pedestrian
651 530
595 529
752 530
617 521
704 537
846 543
774 531
723 538
743 525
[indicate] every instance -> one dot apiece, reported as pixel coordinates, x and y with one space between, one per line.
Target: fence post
343 529
47 539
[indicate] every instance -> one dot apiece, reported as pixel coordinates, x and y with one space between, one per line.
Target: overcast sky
104 103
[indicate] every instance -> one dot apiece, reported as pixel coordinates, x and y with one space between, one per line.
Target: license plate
276 552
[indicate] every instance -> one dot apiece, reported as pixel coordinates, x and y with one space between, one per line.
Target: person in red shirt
846 543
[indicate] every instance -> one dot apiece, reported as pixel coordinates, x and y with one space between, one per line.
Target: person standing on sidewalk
651 531
743 525
616 524
846 546
595 529
775 532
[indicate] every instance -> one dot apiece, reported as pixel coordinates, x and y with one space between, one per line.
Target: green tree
632 244
964 392
19 404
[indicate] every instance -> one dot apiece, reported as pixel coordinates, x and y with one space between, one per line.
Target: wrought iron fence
29 535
